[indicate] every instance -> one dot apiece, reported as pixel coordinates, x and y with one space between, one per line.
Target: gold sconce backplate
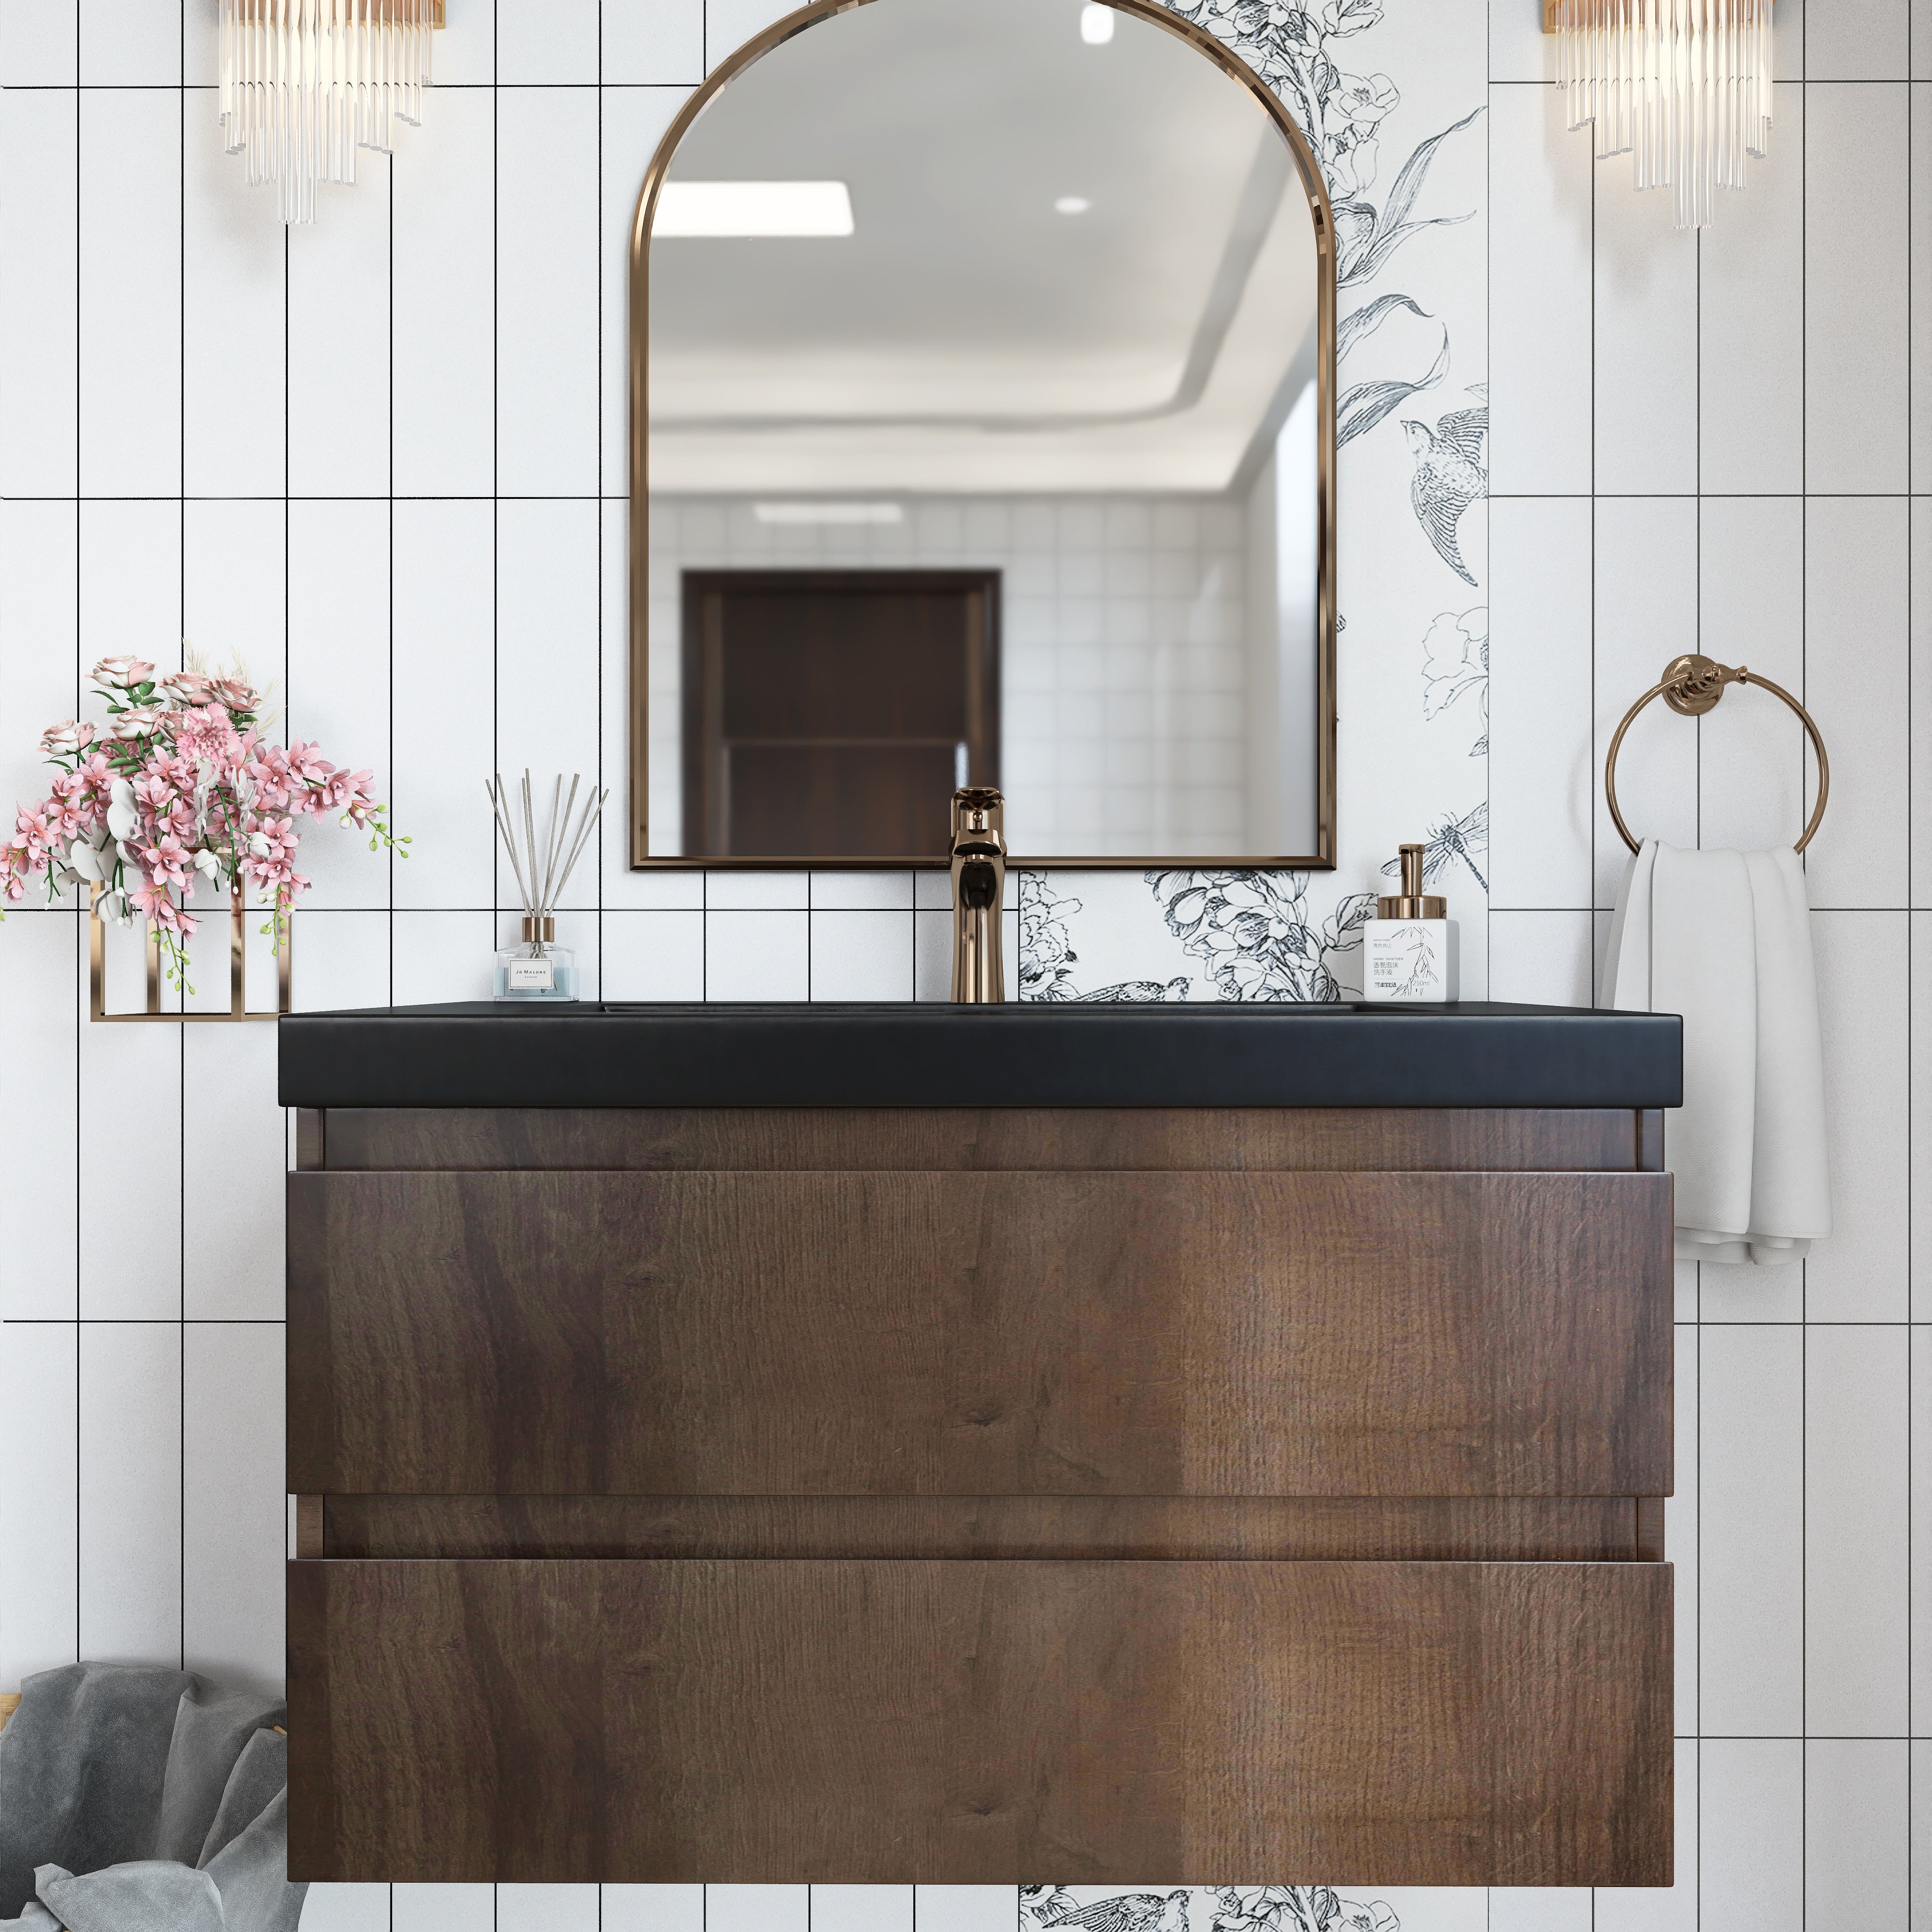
238 970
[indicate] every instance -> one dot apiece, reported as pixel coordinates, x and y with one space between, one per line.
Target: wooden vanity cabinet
1092 1496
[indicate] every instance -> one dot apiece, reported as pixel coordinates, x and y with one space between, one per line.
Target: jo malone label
1408 959
531 975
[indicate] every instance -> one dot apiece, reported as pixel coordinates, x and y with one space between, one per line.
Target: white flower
206 863
84 860
258 843
114 905
122 820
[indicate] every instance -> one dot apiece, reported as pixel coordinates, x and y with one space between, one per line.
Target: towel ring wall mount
1691 686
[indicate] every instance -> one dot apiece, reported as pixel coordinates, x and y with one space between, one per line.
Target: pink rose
235 695
189 688
70 735
122 673
140 721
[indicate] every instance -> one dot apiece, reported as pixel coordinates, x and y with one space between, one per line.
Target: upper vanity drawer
914 1333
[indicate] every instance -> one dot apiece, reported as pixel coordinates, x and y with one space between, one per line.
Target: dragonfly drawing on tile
1451 837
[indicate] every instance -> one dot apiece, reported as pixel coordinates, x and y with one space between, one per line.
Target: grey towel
132 1796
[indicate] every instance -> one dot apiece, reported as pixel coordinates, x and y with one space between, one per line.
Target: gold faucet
978 895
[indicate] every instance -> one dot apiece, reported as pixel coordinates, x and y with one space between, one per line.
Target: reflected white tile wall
1121 657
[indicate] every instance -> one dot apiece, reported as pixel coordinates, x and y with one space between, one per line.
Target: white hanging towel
1724 938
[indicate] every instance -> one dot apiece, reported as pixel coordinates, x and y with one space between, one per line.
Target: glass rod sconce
1683 84
304 83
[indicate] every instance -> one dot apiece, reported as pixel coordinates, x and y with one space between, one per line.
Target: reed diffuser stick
543 866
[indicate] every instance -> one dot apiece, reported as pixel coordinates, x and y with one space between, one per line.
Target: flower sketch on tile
1451 837
1047 956
1254 932
1450 474
1455 662
1292 48
1272 1908
1298 1908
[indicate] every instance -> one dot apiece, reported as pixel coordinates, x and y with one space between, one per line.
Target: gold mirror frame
1159 15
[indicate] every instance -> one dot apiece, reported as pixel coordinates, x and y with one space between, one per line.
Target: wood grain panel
1562 1529
976 1722
978 1334
937 1139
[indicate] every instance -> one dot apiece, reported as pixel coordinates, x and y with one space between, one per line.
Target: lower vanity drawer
976 1722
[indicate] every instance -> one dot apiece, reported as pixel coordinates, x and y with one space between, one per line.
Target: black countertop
1473 1054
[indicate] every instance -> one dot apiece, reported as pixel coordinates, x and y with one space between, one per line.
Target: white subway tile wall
383 459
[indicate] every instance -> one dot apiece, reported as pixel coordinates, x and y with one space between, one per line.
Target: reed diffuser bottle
537 968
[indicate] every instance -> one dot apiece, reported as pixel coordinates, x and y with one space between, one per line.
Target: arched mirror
982 432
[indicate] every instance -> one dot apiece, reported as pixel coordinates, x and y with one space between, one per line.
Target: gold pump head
1412 902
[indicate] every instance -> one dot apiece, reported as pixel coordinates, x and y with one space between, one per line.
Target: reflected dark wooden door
830 714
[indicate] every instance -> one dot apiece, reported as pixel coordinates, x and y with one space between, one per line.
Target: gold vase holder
237 1007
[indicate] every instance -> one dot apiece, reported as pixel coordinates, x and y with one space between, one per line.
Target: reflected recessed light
749 208
828 513
1096 24
1071 204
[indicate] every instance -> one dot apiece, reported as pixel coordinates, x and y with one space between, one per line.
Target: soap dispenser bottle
1409 949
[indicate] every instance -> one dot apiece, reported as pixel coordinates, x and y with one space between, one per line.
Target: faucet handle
979 811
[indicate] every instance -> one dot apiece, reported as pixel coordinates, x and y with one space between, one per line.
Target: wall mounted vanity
1213 1444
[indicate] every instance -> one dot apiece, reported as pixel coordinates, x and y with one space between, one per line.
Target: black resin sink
1033 1054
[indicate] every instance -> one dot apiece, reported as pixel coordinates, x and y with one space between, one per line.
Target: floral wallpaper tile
1271 1908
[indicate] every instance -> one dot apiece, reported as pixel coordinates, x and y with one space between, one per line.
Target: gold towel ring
1690 686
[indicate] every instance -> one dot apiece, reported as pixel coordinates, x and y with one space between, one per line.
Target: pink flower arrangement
179 783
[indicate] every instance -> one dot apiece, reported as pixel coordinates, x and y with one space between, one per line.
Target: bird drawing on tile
1131 1912
1450 474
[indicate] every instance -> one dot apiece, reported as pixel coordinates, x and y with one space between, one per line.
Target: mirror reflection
985 385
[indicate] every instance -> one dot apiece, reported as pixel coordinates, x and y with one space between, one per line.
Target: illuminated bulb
1096 24
1071 204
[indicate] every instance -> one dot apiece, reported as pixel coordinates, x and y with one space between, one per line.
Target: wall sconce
1684 84
304 83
